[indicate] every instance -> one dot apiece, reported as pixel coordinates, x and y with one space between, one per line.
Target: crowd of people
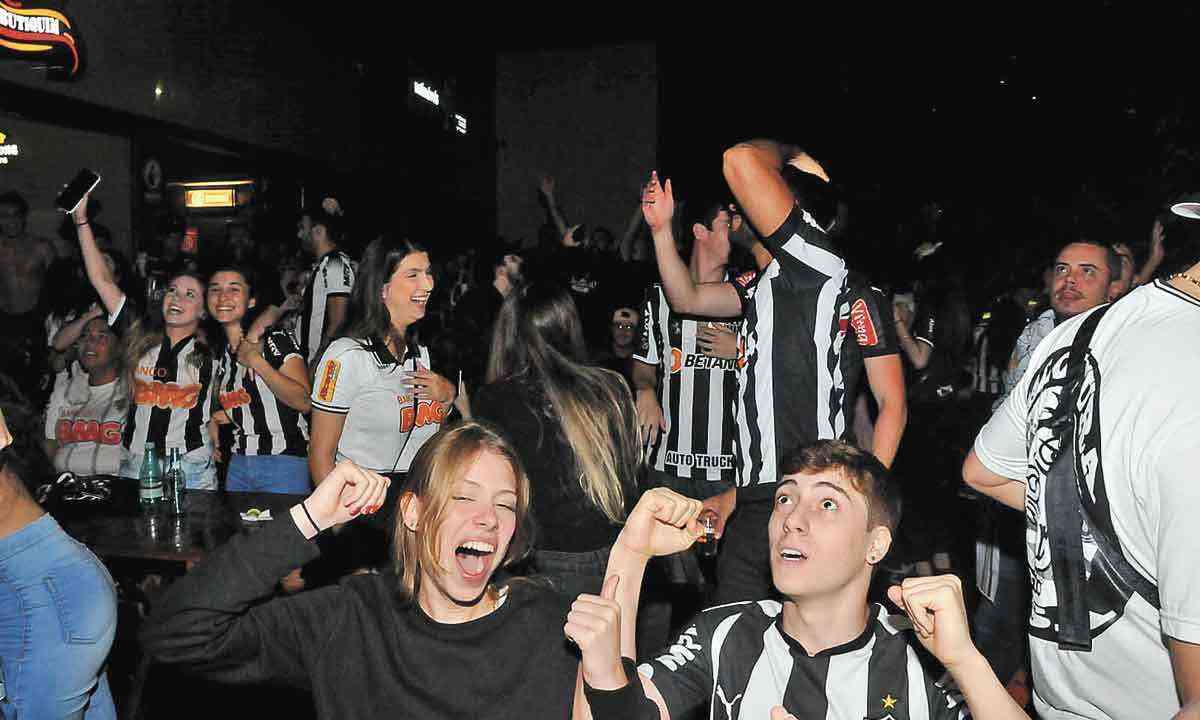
504 478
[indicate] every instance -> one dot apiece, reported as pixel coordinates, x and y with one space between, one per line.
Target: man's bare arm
885 375
1005 490
753 171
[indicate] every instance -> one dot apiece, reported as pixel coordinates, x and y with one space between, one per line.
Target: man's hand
939 616
345 493
779 713
1157 249
717 341
650 416
803 162
723 505
547 186
662 523
428 385
658 204
903 315
594 624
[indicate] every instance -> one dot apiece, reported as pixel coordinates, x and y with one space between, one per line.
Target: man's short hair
862 469
1111 258
14 198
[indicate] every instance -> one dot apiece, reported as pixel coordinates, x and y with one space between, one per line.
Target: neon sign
38 33
7 150
425 92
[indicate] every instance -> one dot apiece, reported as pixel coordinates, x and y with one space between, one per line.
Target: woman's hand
428 385
6 437
79 214
249 352
346 492
594 624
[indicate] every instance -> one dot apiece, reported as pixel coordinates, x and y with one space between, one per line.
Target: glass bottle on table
174 481
150 484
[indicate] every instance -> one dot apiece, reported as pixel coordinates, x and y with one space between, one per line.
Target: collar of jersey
846 647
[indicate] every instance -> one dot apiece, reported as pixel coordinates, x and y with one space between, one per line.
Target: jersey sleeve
340 376
1178 496
945 703
744 284
683 673
647 351
874 330
805 252
278 346
337 276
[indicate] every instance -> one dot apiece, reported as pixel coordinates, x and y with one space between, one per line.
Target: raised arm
1154 259
753 171
547 189
683 293
98 272
69 333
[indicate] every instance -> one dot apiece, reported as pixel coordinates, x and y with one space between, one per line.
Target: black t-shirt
471 332
361 650
944 373
567 520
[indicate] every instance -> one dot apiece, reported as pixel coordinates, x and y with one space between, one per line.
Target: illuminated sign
460 124
7 150
425 92
38 34
210 198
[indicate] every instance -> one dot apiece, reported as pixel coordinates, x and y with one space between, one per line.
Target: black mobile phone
73 193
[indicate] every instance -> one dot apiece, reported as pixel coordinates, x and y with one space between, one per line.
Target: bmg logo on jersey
427 412
166 395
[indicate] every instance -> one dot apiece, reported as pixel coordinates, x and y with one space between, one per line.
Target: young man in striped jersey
685 376
327 297
823 652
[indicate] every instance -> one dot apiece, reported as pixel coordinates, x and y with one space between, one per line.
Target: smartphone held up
84 182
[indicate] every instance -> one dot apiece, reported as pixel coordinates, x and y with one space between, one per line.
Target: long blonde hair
147 332
538 333
438 466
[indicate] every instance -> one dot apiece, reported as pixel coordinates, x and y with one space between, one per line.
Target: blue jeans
268 473
198 468
58 617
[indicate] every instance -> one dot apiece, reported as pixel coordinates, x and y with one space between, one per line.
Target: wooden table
210 518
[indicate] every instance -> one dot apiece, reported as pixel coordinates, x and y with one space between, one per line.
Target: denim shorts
58 617
268 473
198 468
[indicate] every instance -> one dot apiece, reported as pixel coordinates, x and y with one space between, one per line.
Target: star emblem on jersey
889 702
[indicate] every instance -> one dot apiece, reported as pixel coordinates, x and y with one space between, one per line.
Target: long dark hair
216 334
538 334
368 319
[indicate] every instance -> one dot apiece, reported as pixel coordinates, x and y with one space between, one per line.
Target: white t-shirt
89 427
1138 442
384 426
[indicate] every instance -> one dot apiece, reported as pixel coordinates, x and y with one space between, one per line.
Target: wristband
310 517
624 702
85 222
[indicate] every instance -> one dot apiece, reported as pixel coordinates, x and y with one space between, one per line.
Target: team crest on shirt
329 378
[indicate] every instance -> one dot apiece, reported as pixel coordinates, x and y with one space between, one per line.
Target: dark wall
587 117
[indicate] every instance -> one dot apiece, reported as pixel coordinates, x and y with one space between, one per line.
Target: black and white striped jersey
790 389
738 659
332 275
696 393
172 395
262 423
